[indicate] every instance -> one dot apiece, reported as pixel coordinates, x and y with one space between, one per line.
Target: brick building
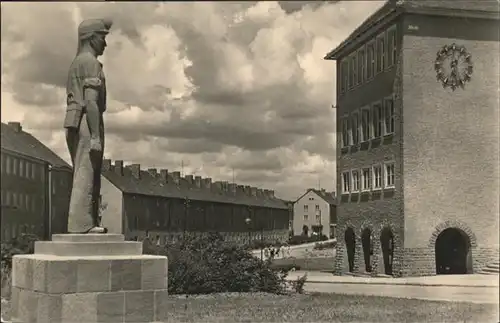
165 205
315 211
35 186
418 156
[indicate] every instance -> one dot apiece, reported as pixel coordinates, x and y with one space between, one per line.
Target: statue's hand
95 144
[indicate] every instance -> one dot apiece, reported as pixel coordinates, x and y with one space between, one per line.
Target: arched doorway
387 244
453 254
305 230
350 243
367 249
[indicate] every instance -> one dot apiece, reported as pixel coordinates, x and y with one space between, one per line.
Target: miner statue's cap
91 26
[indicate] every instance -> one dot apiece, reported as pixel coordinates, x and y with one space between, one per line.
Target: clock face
453 66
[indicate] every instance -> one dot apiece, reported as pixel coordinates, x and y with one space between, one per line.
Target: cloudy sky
214 86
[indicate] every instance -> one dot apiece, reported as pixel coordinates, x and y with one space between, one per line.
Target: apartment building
165 205
315 213
35 186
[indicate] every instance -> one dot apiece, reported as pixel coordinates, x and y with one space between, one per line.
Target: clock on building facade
453 66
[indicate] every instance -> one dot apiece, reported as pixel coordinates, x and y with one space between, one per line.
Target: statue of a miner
86 103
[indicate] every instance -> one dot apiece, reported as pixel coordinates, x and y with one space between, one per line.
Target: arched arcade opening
387 245
453 253
350 243
366 242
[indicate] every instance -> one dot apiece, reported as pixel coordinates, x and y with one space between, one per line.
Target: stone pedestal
88 278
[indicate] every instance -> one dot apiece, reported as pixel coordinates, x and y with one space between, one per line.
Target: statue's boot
97 230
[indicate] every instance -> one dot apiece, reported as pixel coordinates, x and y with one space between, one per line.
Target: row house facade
165 205
35 186
417 122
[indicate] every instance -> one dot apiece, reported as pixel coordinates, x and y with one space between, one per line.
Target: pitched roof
326 196
21 142
488 8
149 184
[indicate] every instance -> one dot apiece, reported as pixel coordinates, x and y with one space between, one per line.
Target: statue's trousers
85 194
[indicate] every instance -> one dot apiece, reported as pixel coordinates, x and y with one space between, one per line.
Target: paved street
457 288
436 293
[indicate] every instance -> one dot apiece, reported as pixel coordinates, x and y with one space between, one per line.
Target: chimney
189 179
260 193
164 175
271 193
197 181
136 170
232 188
247 189
177 177
153 172
16 126
106 165
240 187
119 167
253 191
225 186
266 193
218 184
207 182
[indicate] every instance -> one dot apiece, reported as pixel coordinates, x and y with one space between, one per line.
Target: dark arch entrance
367 249
305 230
387 244
350 243
453 254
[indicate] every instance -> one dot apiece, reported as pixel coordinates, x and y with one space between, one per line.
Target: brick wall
451 139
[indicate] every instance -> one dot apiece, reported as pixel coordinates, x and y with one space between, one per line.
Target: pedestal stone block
104 287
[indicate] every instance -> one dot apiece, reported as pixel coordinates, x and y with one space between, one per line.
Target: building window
33 171
366 182
370 60
380 53
391 47
355 180
8 163
345 132
21 168
354 71
389 175
14 166
3 163
318 217
365 125
346 183
14 199
306 217
7 198
306 208
355 128
377 177
317 207
27 202
311 199
361 65
378 120
27 169
344 76
389 116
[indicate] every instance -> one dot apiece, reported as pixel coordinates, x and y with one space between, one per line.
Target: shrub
325 245
296 240
298 284
23 244
208 264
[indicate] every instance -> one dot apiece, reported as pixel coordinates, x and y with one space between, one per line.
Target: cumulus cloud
223 89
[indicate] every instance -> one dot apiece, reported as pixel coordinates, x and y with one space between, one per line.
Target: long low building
166 205
35 186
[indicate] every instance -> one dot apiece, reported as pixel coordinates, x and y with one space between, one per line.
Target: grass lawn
320 308
315 263
260 307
